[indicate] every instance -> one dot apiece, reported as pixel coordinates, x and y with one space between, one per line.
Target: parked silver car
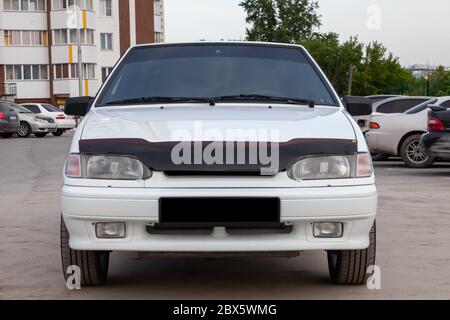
30 123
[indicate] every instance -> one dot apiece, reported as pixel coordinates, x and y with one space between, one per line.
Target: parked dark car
437 140
9 120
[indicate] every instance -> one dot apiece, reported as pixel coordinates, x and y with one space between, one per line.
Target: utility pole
350 80
80 52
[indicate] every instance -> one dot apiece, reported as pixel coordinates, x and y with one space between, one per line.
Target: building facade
39 47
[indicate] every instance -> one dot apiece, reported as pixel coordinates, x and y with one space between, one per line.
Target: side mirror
358 106
78 106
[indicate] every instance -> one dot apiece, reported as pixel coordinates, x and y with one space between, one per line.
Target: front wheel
93 264
413 153
58 133
380 156
40 135
24 130
349 267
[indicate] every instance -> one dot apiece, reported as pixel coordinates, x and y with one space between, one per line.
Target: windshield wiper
157 99
258 97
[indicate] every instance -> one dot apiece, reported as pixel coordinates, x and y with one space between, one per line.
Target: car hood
223 122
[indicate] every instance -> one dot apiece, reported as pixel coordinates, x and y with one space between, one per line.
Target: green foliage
374 69
286 21
440 83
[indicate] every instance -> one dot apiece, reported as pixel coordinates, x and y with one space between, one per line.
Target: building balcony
30 89
24 55
23 20
66 19
69 53
71 87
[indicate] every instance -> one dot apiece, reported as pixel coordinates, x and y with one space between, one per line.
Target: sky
417 31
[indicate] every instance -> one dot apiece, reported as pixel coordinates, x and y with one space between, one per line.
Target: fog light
328 229
110 230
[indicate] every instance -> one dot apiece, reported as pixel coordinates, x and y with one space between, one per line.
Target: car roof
218 43
379 103
441 100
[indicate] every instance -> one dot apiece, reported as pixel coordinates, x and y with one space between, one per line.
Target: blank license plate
219 212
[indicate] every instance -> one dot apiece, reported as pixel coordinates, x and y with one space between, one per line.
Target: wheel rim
23 130
415 152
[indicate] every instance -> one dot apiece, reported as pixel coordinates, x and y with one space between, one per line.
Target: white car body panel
351 201
393 128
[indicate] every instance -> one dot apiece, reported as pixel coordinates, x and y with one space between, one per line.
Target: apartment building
39 47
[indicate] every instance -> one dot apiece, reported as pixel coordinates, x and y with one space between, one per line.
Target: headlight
332 167
105 167
36 119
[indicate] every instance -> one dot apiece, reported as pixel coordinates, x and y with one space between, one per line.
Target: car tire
350 267
58 133
24 130
7 135
413 153
93 264
40 135
380 156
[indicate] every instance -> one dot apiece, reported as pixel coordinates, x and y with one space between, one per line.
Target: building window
70 36
67 4
88 71
24 5
106 8
26 72
157 7
106 71
25 38
70 71
106 41
159 37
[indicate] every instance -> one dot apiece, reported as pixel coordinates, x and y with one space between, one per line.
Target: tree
351 66
440 82
286 21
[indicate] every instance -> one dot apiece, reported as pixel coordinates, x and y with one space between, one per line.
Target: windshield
214 71
50 108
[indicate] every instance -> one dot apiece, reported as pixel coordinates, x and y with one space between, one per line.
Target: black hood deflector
157 155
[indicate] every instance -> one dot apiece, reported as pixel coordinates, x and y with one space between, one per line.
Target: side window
446 104
33 108
386 107
399 106
4 107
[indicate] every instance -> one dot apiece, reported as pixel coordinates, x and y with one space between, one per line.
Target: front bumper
437 143
66 124
355 206
42 127
8 127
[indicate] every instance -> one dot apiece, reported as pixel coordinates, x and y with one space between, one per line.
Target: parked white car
30 123
398 134
387 105
165 161
63 121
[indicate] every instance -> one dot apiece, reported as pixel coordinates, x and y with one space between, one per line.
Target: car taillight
2 116
435 125
374 125
73 166
60 117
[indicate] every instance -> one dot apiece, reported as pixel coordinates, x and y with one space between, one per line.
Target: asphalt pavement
413 248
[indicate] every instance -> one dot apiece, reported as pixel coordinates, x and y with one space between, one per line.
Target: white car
387 105
399 134
172 157
63 121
